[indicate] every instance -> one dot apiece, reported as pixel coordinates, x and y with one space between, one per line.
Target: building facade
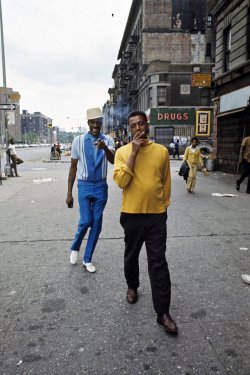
10 119
36 127
166 61
232 80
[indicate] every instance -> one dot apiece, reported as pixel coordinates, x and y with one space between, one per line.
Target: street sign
7 107
14 97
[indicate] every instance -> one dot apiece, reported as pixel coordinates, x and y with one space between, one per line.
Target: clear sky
60 54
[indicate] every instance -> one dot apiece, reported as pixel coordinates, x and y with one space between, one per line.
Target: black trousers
176 152
151 229
246 173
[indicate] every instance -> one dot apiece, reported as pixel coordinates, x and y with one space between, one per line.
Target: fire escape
127 88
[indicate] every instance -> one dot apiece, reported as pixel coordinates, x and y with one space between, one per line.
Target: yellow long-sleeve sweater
147 188
192 157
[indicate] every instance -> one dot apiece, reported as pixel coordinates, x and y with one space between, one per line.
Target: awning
231 112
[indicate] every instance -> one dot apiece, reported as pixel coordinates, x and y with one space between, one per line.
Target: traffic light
50 125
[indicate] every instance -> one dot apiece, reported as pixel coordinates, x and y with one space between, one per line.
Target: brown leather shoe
168 323
131 295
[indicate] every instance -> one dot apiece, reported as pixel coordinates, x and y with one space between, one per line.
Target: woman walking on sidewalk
193 158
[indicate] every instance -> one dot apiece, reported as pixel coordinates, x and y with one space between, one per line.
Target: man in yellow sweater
192 156
142 171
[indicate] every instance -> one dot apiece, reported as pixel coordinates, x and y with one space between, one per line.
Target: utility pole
5 117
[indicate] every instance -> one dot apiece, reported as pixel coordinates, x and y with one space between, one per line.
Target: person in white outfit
15 160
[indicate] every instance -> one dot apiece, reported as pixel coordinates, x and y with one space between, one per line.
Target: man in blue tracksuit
90 154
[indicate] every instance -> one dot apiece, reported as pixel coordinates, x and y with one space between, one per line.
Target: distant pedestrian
142 171
53 152
176 149
245 156
193 157
171 147
90 154
58 150
15 160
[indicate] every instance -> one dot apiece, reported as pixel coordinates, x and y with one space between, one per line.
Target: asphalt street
56 318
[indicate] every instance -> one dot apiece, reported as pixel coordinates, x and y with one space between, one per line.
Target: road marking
38 169
40 180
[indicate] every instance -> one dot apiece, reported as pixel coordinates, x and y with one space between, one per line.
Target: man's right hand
70 201
138 141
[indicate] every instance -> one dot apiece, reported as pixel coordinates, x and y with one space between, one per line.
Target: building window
150 97
227 48
209 21
161 96
208 50
163 77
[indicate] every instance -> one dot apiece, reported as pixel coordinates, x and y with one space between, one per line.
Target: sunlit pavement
59 319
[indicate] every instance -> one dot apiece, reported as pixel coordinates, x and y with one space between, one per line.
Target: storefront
170 123
233 124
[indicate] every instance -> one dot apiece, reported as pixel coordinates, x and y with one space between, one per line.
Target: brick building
36 123
164 43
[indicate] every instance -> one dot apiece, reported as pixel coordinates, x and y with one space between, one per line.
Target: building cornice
224 4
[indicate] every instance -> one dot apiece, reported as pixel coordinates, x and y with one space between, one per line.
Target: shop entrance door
164 135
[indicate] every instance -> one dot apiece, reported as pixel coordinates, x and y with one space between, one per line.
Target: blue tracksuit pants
92 198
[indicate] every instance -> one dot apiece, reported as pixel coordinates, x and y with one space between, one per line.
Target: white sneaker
73 256
246 278
89 267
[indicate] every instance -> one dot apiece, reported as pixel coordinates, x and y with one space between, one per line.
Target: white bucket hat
94 113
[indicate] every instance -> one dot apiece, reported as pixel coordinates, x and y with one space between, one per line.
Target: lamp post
5 122
2 45
4 77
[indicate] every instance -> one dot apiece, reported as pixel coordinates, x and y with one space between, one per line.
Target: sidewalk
59 319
